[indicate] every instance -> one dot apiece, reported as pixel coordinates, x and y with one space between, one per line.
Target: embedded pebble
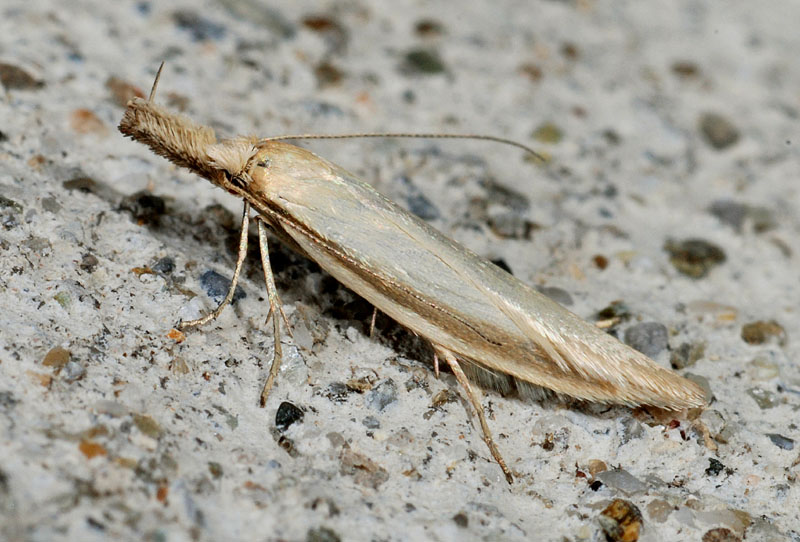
322 534
630 428
286 415
147 425
510 225
88 262
364 470
715 467
764 398
762 369
382 395
371 422
718 131
785 443
720 534
687 355
217 286
621 521
86 121
417 202
559 295
200 28
649 338
548 133
659 510
165 266
73 371
13 77
57 357
422 62
622 480
761 331
337 392
694 257
735 214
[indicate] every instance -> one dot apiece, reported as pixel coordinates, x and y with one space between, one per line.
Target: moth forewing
470 310
449 295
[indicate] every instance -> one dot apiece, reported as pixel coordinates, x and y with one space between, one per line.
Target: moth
480 320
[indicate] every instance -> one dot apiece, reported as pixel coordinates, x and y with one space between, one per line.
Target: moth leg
274 308
234 281
283 315
436 364
474 397
372 323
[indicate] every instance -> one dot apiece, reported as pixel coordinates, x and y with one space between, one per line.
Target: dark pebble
649 338
422 62
217 286
15 78
165 266
337 392
785 443
714 467
88 262
322 534
199 27
417 202
694 257
687 355
718 131
7 400
461 520
286 415
501 263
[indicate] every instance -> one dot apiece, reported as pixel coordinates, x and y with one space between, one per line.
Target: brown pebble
762 331
720 534
15 78
57 357
91 449
84 121
122 91
621 521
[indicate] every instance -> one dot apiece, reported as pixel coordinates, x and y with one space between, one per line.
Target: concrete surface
663 123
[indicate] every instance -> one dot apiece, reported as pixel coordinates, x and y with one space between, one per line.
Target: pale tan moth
479 319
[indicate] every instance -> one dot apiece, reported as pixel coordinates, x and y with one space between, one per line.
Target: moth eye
238 182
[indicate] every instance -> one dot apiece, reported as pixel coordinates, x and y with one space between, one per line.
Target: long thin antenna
411 135
155 83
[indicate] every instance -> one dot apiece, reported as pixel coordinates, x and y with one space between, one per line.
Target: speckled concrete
663 123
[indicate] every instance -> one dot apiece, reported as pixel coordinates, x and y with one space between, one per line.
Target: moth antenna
155 83
482 137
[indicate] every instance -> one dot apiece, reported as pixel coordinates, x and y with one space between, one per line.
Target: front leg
234 281
275 307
